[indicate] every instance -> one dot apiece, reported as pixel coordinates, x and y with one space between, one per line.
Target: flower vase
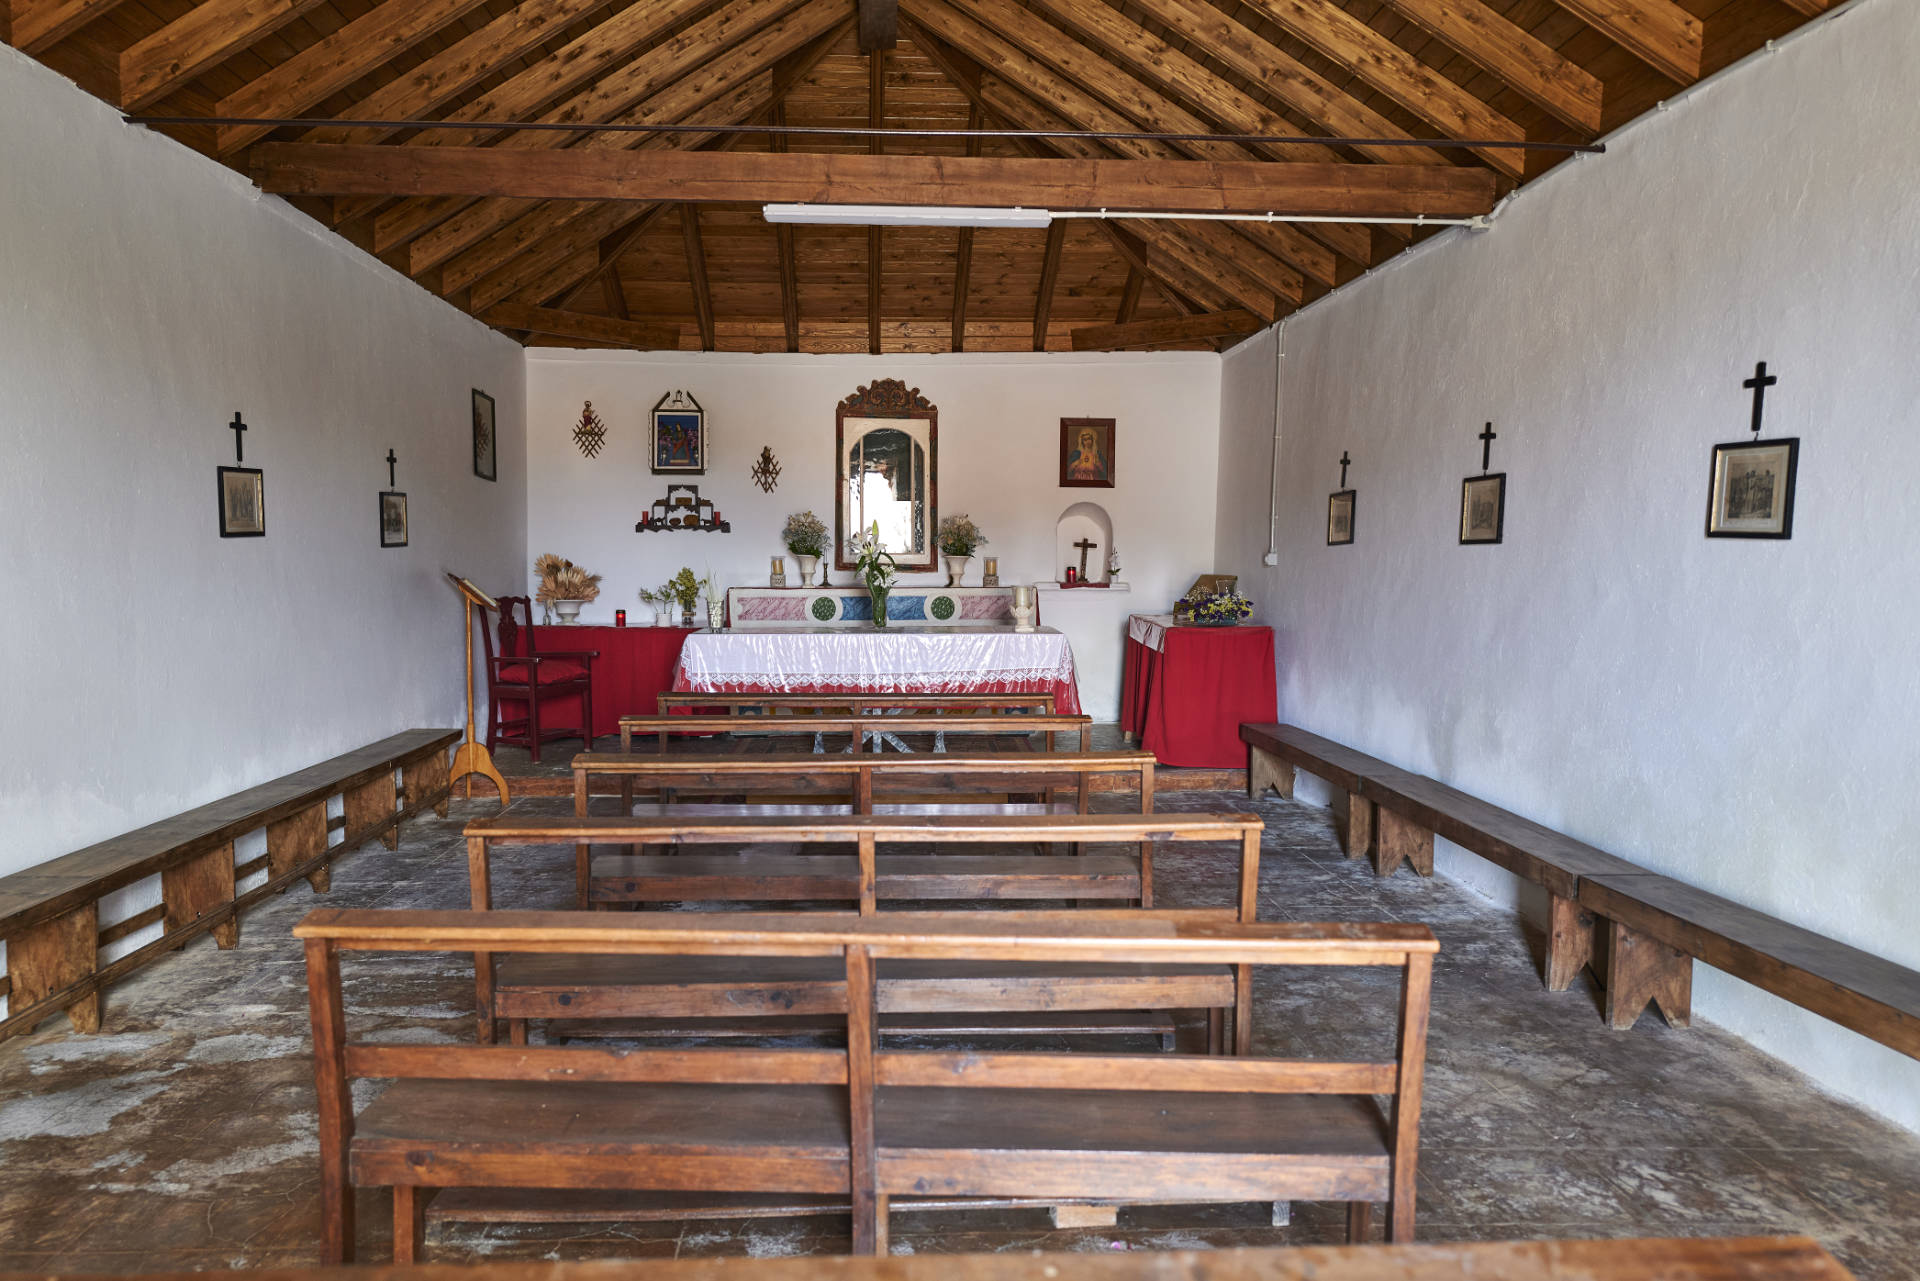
569 611
663 616
879 597
716 615
686 616
806 564
956 569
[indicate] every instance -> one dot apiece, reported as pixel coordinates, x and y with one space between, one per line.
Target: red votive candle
619 618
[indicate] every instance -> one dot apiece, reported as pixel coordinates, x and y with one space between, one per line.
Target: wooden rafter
1049 279
876 119
202 37
963 246
1554 83
1227 278
1130 295
697 273
1156 333
614 294
784 250
644 335
1658 32
333 63
40 24
612 249
879 25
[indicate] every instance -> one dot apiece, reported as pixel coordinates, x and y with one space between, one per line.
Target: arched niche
1087 521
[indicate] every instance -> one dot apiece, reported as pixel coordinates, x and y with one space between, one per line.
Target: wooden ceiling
608 238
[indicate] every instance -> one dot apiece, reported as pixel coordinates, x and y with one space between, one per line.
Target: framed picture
393 518
1751 493
1483 508
485 444
679 435
1086 453
243 503
1340 518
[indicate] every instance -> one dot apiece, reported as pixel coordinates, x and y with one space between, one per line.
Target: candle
619 618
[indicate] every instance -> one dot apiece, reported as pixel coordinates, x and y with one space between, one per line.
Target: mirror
885 449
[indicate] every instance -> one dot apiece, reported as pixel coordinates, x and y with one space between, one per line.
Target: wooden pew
521 988
861 1121
50 913
1654 926
859 727
1783 1258
855 704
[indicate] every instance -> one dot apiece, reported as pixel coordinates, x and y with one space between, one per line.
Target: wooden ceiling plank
1276 276
612 249
38 25
697 273
1391 70
1658 32
1809 8
784 247
202 37
615 296
330 65
538 269
1154 333
1186 290
1049 280
642 335
1236 284
1479 33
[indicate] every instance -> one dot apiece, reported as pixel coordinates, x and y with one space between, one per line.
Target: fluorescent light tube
907 216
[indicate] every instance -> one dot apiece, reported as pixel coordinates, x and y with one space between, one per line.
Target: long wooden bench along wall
50 913
860 1121
867 729
1639 930
517 989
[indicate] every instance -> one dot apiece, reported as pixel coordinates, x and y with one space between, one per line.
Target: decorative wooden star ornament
766 472
590 433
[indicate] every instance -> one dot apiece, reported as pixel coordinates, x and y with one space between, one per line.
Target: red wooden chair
516 674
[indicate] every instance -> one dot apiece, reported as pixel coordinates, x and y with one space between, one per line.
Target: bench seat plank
1869 994
652 878
924 809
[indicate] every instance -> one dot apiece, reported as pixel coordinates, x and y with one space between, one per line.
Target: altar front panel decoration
866 660
852 607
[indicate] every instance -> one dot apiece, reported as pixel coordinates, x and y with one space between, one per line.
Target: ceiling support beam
38 25
963 246
1553 83
615 294
697 274
202 37
1155 333
876 119
783 248
1173 186
1049 278
1129 295
879 25
1658 32
644 335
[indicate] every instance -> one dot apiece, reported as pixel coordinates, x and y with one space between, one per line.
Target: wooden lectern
473 757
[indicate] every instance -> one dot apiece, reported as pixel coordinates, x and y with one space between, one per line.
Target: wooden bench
860 1121
521 988
1654 926
855 704
50 913
864 729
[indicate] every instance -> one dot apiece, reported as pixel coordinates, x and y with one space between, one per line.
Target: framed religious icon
485 443
1086 453
393 518
885 440
1751 491
1483 508
1340 518
679 435
243 503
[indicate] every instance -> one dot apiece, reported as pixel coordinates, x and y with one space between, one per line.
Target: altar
960 659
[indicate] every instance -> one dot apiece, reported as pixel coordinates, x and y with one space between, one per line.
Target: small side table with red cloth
635 665
1187 689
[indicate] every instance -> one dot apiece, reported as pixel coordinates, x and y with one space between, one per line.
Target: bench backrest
911 722
854 703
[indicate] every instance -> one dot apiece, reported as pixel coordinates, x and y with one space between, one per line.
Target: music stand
473 757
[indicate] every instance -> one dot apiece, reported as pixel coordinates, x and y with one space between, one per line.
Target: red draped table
1187 689
635 665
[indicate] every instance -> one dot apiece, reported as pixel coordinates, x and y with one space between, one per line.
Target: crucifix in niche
1085 545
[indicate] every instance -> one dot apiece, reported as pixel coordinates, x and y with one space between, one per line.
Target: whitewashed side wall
999 461
1740 715
148 294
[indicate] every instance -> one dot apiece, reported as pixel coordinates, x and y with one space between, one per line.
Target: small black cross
1344 460
1487 438
236 427
391 460
1758 385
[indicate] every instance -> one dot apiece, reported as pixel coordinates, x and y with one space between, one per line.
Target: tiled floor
184 1136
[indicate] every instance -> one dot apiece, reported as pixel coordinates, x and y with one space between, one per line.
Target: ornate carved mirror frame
880 408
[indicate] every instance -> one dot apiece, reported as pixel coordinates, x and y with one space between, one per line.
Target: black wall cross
1344 460
236 427
1758 385
391 460
1487 438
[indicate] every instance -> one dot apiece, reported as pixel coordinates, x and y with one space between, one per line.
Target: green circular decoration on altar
823 608
943 607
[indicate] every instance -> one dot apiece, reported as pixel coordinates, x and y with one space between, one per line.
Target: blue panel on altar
900 609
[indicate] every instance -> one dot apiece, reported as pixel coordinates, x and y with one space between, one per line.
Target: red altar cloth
635 665
1186 701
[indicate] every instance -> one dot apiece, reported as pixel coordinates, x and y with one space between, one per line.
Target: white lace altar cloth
921 660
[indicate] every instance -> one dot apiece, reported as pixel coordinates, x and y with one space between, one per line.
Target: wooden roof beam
1049 280
612 249
202 37
38 25
1130 295
643 335
1555 84
1658 32
876 119
697 273
963 241
879 25
1156 333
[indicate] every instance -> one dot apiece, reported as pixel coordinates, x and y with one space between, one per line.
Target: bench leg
1569 942
200 886
409 1222
1216 1030
1085 1216
1243 1010
516 1031
1359 1219
55 955
1642 969
1356 837
1397 840
1265 770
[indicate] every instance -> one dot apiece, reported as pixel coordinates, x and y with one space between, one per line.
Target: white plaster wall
999 462
1740 715
145 295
